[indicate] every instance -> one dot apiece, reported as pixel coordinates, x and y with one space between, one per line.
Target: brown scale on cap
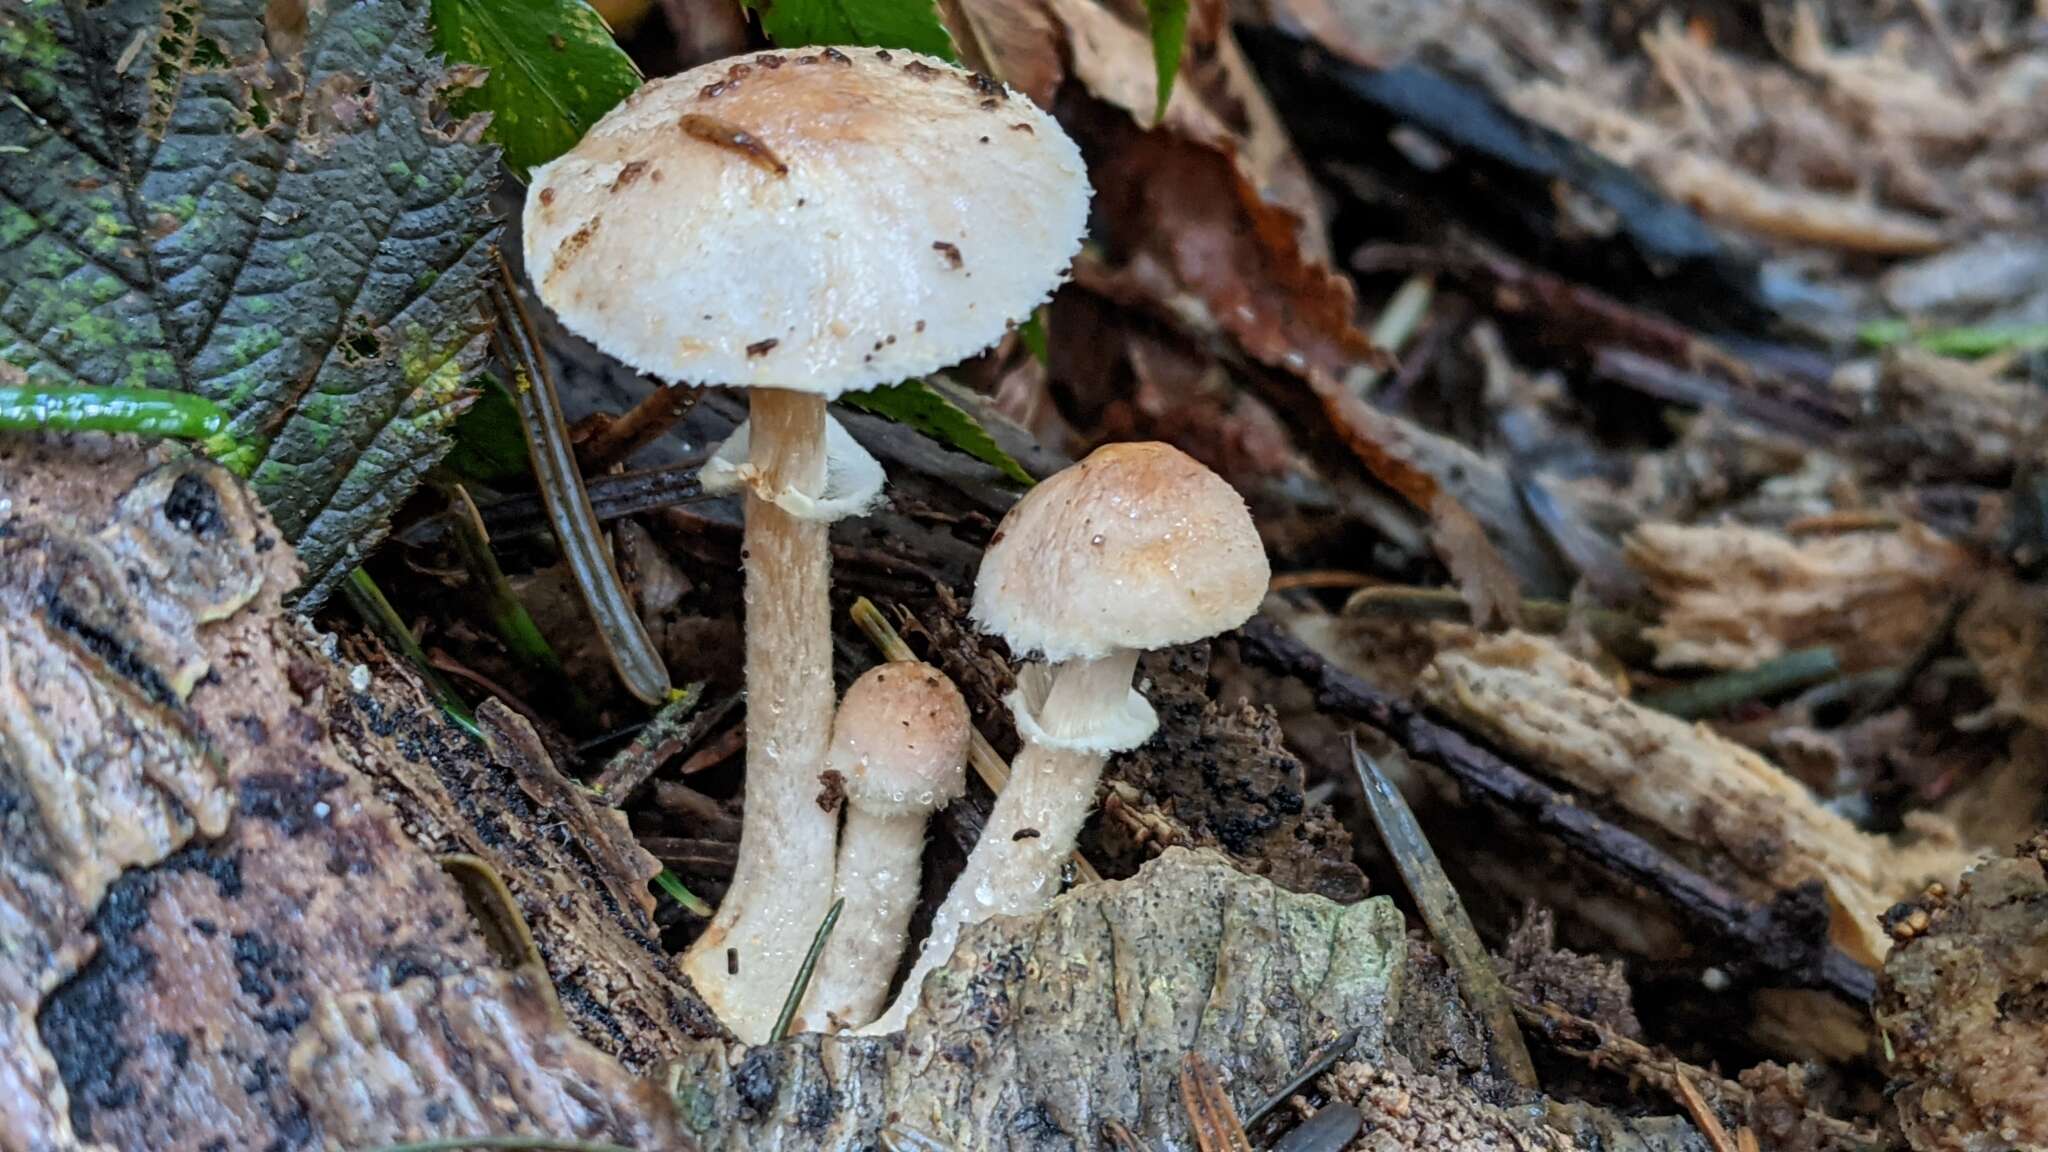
950 251
768 60
921 70
762 347
631 172
715 131
837 57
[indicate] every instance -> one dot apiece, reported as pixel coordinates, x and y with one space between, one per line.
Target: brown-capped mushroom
1137 547
775 229
900 748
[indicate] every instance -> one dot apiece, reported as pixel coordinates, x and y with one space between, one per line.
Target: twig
1320 578
611 497
1702 1116
1600 1047
442 662
1654 377
672 731
1404 312
1713 695
1210 1116
802 984
981 755
641 425
1766 938
561 485
1316 1065
1445 915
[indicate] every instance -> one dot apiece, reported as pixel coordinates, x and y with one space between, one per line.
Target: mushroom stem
880 857
782 881
1015 865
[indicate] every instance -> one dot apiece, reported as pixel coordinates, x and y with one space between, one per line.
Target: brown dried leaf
1539 703
1735 596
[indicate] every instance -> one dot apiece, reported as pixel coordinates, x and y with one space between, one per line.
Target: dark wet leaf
912 24
921 407
255 202
554 69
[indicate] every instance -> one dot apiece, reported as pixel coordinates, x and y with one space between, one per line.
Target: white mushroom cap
900 740
823 220
1136 547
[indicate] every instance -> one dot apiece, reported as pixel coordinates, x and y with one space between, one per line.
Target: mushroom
1137 547
900 748
799 225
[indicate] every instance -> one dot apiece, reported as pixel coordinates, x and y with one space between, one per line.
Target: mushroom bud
799 224
900 748
1137 547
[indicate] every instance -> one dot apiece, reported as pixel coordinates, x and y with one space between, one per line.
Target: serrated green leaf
910 24
255 203
554 69
1169 20
920 407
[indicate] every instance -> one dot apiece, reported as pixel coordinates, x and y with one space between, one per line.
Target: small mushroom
789 252
1137 547
900 748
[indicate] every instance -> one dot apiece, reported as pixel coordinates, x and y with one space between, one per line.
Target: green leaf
1169 19
254 203
920 407
910 24
554 69
490 446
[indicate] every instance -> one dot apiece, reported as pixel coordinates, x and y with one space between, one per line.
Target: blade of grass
1714 695
369 602
691 902
787 1017
576 526
509 617
1444 913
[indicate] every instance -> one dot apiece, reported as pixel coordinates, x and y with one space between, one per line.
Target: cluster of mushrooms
802 224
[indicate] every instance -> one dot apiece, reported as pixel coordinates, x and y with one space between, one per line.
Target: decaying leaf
1042 1028
1962 1005
2003 631
220 936
260 203
1734 596
1692 785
